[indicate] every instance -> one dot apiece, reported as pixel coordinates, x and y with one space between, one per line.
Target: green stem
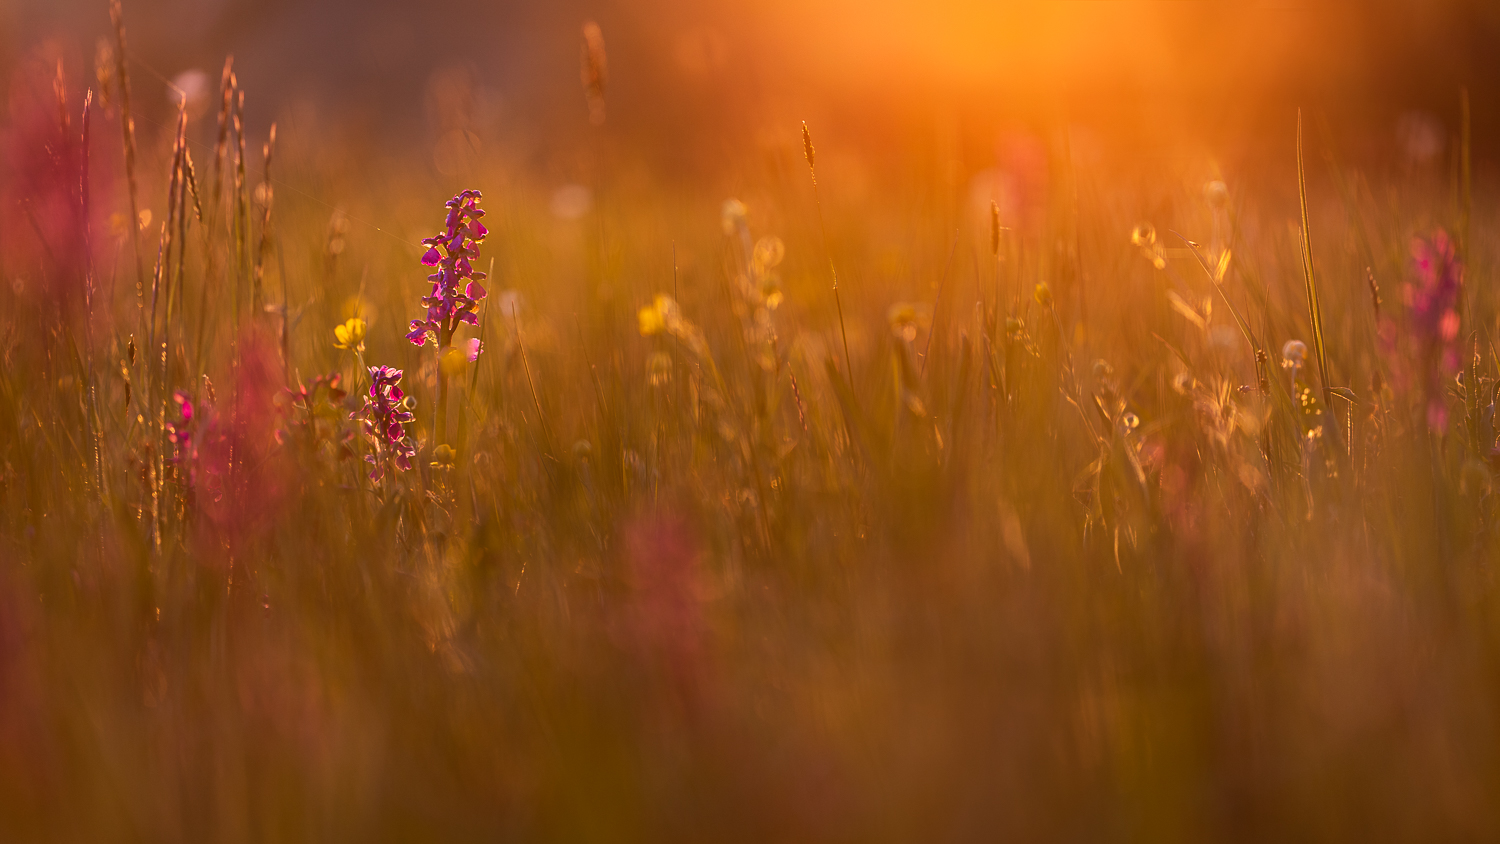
445 340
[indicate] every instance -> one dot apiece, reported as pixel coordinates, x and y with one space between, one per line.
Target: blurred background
697 88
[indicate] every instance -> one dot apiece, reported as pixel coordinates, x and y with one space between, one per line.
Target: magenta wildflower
182 433
385 419
473 349
1426 354
456 288
1433 299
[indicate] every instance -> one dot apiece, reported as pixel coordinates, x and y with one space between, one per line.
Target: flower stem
445 340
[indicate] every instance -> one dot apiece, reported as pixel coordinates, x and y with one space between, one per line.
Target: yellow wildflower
652 321
1042 294
661 315
350 335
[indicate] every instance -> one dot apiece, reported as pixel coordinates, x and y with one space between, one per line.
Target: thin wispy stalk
175 291
264 195
241 201
227 87
92 410
1314 307
810 154
127 130
531 382
151 389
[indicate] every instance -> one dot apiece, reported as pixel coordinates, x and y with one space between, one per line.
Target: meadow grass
1032 543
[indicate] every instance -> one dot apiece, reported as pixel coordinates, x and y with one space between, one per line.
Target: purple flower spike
385 421
455 291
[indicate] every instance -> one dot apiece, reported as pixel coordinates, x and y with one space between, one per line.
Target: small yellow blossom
1043 294
660 315
652 322
350 335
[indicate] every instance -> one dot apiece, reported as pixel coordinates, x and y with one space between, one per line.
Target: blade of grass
1314 308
